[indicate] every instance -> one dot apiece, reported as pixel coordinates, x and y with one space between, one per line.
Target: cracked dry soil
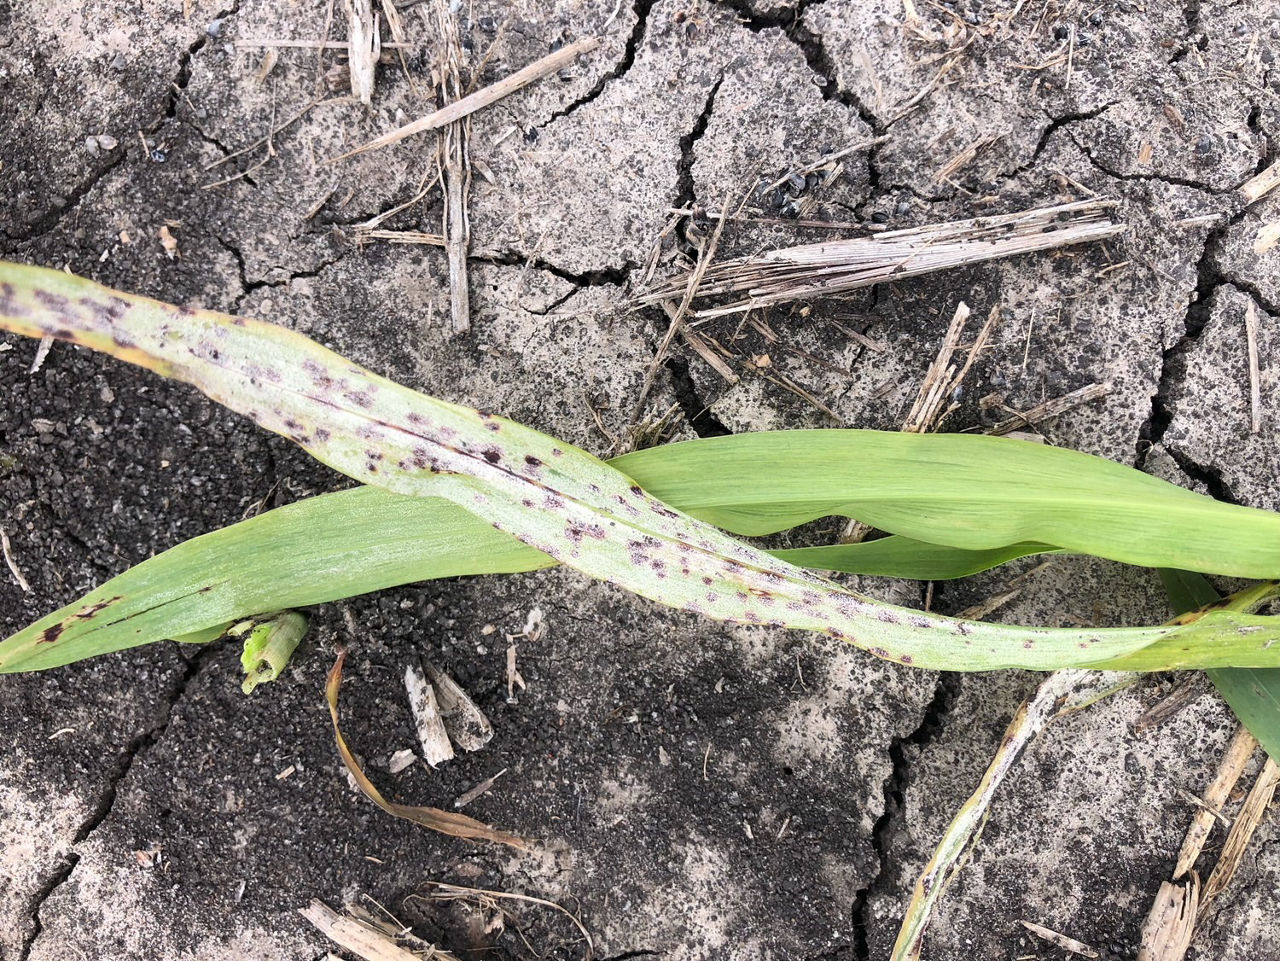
699 791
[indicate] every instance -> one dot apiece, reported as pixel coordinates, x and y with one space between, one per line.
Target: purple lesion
55 303
51 633
10 305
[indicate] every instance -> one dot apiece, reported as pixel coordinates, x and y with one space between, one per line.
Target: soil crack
1209 277
888 825
642 9
698 414
248 286
138 745
685 192
819 60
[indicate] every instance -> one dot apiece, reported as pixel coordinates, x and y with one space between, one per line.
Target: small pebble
214 29
159 156
1061 31
903 208
812 180
531 135
118 62
1242 29
879 217
1204 146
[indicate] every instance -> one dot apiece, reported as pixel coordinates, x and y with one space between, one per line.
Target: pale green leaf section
553 497
1254 695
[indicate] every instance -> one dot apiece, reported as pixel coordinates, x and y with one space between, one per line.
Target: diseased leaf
554 497
1252 694
340 545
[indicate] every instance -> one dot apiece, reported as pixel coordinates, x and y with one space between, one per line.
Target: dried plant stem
1261 185
832 268
364 47
481 98
1060 693
1241 748
455 168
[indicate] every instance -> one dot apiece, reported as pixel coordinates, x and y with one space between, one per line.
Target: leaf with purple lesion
551 496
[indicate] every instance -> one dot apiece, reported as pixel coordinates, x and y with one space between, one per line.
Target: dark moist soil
693 791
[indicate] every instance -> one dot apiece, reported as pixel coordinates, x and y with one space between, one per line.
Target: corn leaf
558 499
1253 695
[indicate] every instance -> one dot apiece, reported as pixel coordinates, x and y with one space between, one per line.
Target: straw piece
364 47
1247 821
1258 187
481 98
1237 755
831 268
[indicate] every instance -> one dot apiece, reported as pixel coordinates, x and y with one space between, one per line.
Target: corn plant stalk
554 497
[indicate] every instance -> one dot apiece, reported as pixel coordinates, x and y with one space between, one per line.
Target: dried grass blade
446 822
481 98
1060 693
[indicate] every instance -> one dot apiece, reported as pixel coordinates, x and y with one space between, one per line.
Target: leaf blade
553 497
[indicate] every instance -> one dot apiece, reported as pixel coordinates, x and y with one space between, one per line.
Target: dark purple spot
373 455
9 304
532 461
557 452
360 398
636 490
1028 644
878 651
907 659
322 434
493 425
55 302
492 455
887 617
51 634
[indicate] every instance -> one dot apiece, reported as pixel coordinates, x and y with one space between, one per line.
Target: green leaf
1252 694
899 556
586 514
960 490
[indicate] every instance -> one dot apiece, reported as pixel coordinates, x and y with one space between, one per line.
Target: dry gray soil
698 791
